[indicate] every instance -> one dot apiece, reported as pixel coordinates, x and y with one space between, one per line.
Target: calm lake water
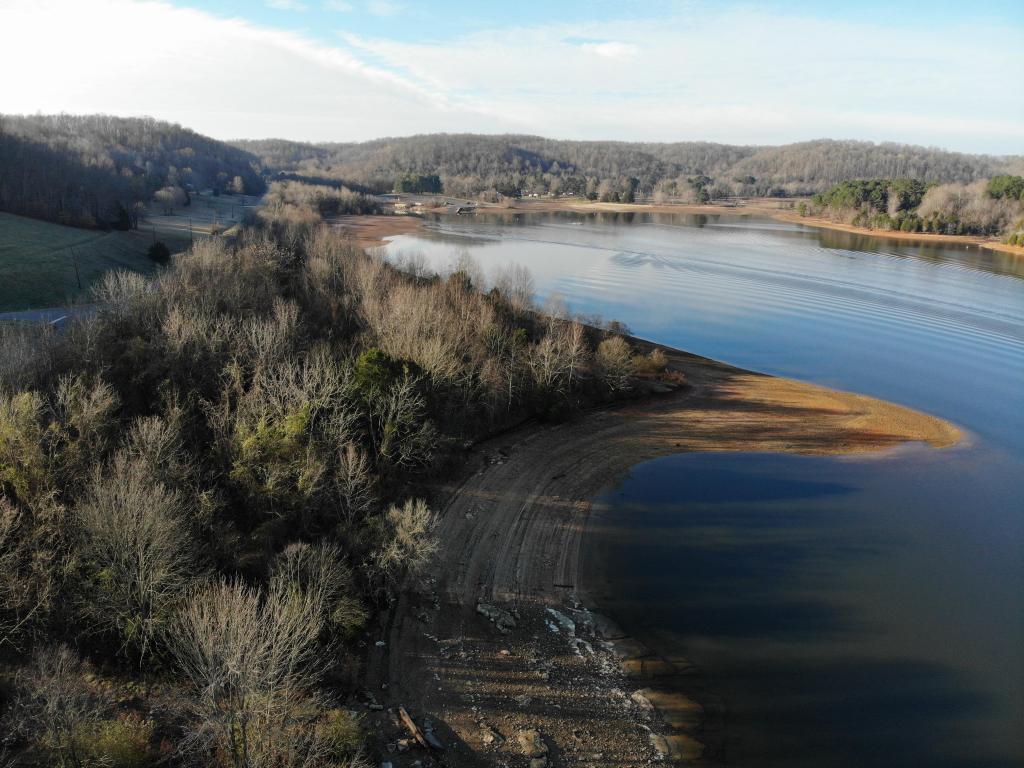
848 612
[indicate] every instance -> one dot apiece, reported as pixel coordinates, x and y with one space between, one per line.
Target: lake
845 612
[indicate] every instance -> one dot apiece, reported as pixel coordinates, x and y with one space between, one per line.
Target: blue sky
441 21
941 74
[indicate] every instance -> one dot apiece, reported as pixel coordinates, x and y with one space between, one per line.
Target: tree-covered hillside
91 170
470 164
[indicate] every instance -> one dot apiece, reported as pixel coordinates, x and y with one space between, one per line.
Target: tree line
470 164
210 485
985 207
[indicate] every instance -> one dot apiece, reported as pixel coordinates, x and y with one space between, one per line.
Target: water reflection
850 612
795 584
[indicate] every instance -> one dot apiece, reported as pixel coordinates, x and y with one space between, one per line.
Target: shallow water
864 612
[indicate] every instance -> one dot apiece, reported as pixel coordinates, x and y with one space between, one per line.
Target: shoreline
371 231
504 639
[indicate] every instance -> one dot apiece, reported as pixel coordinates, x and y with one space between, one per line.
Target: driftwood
413 729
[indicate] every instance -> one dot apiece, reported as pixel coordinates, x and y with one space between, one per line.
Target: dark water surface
849 612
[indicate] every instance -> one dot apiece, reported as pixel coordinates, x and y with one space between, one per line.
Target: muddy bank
500 642
371 231
781 210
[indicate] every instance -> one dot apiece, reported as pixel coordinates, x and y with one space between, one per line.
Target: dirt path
511 536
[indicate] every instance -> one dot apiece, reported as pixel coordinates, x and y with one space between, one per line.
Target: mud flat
499 652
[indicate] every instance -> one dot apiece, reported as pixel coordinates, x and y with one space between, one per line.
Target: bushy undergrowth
213 482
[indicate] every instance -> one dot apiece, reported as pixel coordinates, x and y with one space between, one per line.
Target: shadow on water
743 562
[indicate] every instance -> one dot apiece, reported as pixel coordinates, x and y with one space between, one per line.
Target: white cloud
384 8
739 77
286 5
611 50
340 6
223 77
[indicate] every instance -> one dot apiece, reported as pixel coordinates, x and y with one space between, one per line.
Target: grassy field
37 258
206 215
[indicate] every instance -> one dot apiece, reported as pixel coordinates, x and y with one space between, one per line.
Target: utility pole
78 275
190 229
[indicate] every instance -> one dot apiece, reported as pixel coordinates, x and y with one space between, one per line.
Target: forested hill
98 170
91 170
471 163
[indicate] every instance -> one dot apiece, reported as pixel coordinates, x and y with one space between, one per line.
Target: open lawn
206 215
37 258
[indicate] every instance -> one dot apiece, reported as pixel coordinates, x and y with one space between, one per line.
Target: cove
847 612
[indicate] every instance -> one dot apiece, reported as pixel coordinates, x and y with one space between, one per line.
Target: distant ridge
494 161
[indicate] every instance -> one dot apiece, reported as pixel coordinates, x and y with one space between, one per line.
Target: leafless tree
252 661
53 705
402 436
615 364
319 573
136 542
407 543
353 482
169 198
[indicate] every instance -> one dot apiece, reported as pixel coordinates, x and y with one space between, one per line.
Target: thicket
290 204
210 484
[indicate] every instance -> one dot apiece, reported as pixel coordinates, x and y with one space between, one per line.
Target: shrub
614 361
119 743
159 253
650 364
407 542
24 463
53 706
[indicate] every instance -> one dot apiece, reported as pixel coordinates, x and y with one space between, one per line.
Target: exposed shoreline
512 532
371 231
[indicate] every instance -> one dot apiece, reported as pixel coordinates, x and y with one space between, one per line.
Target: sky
946 74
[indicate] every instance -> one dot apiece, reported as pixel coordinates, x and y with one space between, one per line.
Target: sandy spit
500 646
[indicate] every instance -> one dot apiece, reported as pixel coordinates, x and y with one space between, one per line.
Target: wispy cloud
339 6
840 79
611 49
286 5
384 8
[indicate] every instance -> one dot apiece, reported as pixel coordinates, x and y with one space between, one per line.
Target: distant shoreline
371 233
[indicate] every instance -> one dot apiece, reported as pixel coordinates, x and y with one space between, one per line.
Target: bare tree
53 705
353 482
516 284
252 660
615 364
169 198
319 573
402 434
136 544
407 541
